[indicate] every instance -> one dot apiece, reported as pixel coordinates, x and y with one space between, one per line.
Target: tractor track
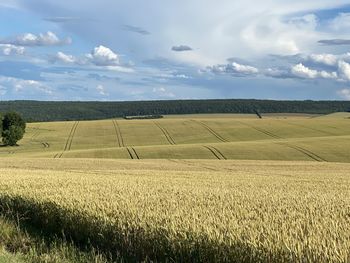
166 134
35 135
69 141
302 150
132 153
119 134
216 152
214 133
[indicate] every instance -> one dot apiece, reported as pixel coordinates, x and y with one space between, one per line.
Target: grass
19 244
276 137
198 211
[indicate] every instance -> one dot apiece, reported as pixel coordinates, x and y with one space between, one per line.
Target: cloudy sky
156 49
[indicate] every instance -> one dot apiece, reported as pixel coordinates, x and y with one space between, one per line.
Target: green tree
13 119
12 135
0 123
13 128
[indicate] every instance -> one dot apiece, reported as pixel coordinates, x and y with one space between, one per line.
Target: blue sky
185 49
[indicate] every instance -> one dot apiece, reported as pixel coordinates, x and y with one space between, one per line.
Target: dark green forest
60 111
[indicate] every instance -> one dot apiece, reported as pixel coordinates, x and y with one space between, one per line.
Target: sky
117 50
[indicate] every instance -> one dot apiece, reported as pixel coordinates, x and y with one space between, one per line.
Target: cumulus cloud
65 58
302 71
233 69
326 59
8 49
19 85
344 93
43 39
103 56
344 70
341 23
181 48
135 29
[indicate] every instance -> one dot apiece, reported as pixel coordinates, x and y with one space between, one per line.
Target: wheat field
276 137
197 188
188 211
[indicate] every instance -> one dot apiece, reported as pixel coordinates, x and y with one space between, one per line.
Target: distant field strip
191 137
312 129
218 136
308 153
69 141
166 134
216 152
118 133
270 134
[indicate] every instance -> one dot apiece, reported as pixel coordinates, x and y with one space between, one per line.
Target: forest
92 110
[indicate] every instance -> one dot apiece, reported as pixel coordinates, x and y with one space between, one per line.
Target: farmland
244 211
196 188
241 137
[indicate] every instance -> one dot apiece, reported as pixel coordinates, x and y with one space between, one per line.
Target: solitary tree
13 128
12 135
13 119
0 123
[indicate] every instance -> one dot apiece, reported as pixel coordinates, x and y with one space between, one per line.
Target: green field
194 188
276 137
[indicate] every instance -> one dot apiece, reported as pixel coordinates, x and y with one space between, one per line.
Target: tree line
12 128
61 111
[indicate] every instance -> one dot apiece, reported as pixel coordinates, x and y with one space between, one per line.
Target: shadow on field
129 243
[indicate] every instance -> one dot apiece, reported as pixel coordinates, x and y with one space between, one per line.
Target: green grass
277 137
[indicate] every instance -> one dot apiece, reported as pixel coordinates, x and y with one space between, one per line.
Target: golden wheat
215 212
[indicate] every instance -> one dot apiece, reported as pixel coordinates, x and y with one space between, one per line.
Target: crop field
275 137
187 211
196 188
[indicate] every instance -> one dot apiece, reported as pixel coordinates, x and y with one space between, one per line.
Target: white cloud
19 85
62 57
244 68
43 39
344 93
302 71
100 57
344 70
341 23
8 49
234 69
101 90
103 56
326 59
